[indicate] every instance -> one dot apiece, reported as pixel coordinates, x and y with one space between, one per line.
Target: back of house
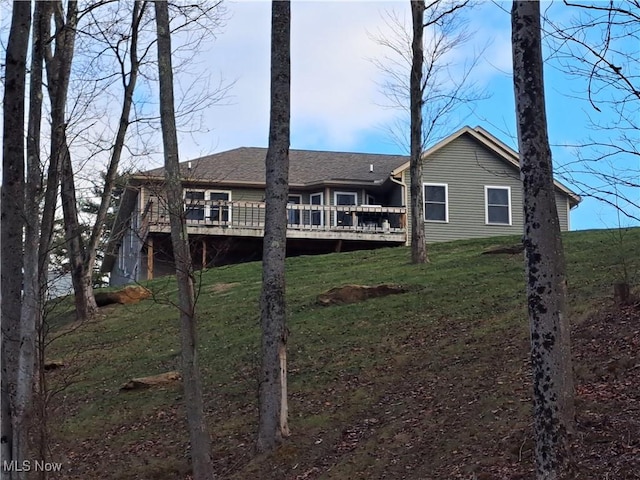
337 201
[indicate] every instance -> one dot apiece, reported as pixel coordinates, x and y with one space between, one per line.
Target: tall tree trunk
273 375
53 170
200 441
11 233
544 258
89 257
59 74
33 301
81 278
418 246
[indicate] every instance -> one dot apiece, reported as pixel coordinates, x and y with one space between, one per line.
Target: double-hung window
436 202
497 205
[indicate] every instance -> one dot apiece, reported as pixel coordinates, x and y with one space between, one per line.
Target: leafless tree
273 409
599 46
113 56
11 234
416 93
553 390
198 435
33 297
423 80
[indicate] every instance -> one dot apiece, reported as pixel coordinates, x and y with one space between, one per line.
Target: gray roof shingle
307 167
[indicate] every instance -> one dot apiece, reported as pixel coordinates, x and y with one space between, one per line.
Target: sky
337 100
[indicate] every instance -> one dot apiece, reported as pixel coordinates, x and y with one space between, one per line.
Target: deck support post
150 258
204 253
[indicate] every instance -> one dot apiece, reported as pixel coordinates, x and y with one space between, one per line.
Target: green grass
379 359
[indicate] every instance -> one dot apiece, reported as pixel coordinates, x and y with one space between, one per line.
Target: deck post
150 258
204 253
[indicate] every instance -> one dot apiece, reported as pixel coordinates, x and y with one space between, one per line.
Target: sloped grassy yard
430 384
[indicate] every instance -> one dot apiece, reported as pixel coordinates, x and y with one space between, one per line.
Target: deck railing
250 215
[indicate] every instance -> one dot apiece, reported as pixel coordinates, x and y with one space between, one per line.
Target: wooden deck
246 219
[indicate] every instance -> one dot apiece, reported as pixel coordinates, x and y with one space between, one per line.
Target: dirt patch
152 381
358 293
510 250
126 296
222 287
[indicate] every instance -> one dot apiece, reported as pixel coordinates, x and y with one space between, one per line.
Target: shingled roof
307 167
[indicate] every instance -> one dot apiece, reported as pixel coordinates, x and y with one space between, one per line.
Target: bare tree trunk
83 257
544 258
89 258
82 280
273 374
32 303
13 445
11 234
200 441
418 246
53 170
59 73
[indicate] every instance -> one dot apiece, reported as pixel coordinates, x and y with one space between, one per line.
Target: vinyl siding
126 268
467 167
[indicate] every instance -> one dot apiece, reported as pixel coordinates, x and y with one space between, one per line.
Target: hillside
429 384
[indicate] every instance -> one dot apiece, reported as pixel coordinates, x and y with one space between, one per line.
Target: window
121 264
345 219
194 210
293 215
317 215
219 213
201 205
436 202
497 205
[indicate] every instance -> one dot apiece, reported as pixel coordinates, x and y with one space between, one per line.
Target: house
337 201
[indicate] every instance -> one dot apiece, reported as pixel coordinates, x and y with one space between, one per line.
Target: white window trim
370 199
207 206
335 203
299 197
321 204
121 262
486 204
208 209
446 202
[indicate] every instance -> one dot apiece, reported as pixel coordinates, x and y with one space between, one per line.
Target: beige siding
467 167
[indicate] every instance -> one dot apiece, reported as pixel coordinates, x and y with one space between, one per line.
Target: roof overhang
334 182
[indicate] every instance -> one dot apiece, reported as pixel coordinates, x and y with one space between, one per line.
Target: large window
497 205
203 204
345 219
317 215
436 202
194 208
219 213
